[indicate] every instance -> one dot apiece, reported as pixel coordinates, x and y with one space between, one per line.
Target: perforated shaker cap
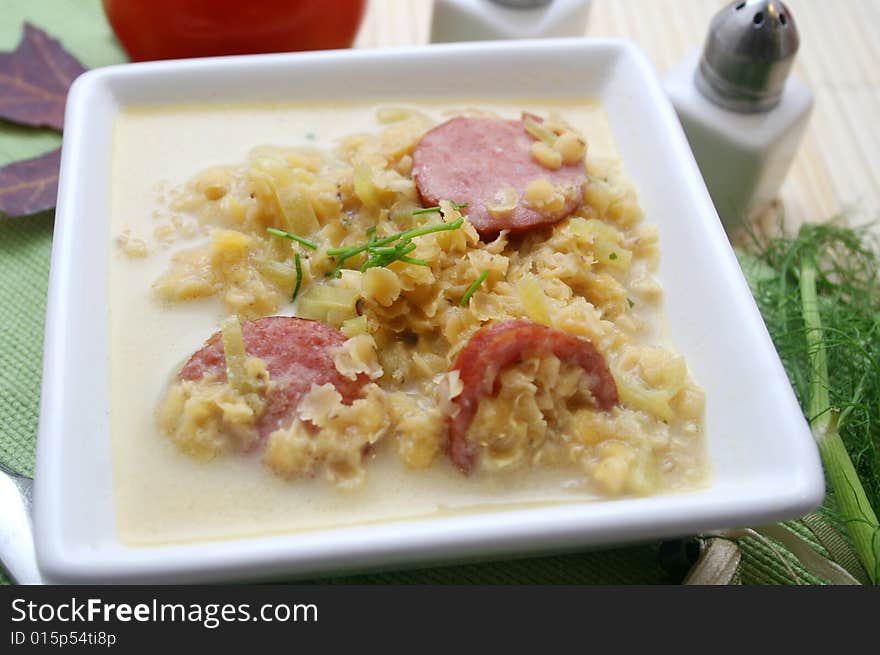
748 55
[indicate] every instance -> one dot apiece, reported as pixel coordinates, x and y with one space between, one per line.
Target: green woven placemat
25 246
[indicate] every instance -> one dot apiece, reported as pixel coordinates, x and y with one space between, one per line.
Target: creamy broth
162 496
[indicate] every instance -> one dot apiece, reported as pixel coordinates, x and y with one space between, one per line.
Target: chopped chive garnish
299 276
612 256
413 260
388 255
333 252
380 253
631 303
473 288
292 237
429 229
383 250
436 208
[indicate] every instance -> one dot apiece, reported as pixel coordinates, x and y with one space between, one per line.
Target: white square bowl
765 465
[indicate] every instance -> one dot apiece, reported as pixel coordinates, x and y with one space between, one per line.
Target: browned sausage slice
493 348
298 354
470 160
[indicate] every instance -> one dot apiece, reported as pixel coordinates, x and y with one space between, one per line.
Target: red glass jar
171 29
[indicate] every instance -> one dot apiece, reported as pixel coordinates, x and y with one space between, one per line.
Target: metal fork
17 554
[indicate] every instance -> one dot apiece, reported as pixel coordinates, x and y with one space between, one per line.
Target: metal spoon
17 554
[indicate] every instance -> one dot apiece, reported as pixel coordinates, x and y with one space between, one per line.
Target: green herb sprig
471 290
297 262
383 252
299 275
819 294
292 237
437 208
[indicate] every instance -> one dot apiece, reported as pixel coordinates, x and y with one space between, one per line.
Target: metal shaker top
748 55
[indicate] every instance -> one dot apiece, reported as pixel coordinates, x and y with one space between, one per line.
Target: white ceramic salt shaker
478 20
743 116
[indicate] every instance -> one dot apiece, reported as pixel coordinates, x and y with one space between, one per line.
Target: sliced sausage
496 347
298 353
473 160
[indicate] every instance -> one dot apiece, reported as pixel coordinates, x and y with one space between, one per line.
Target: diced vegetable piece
540 132
296 210
644 476
354 326
605 239
532 297
280 274
381 285
329 303
364 188
654 399
236 356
